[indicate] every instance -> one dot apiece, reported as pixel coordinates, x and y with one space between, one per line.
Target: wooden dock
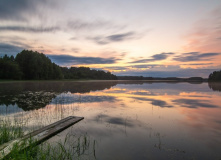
39 135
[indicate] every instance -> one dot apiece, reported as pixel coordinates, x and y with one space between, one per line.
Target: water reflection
128 120
154 102
115 120
9 109
216 86
194 103
70 98
55 86
35 95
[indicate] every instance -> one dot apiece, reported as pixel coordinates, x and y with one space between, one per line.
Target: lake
124 119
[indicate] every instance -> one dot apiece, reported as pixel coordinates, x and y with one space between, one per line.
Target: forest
215 76
32 65
190 79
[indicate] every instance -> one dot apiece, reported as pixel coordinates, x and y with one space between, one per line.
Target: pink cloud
206 35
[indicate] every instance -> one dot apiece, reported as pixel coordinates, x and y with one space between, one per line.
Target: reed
10 130
71 147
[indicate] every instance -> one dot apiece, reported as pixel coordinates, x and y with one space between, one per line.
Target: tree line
199 79
215 76
31 65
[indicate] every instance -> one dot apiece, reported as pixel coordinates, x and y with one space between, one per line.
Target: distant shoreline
93 80
174 79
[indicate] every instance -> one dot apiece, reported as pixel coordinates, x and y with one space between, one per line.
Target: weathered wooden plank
38 131
40 135
48 127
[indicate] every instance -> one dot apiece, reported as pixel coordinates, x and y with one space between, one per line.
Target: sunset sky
159 38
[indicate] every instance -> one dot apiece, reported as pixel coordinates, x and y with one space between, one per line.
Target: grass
9 130
81 148
71 147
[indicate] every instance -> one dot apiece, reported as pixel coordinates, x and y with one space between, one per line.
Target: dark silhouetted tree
9 69
30 65
215 76
37 66
86 73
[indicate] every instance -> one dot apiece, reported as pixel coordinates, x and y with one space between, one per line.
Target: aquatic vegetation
71 147
9 130
127 121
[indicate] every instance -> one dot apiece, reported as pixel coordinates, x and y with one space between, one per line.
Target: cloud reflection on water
160 119
194 103
154 102
115 120
71 99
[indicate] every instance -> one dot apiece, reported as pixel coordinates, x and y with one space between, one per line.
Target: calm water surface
127 119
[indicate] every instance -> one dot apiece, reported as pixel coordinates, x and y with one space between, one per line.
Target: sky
152 38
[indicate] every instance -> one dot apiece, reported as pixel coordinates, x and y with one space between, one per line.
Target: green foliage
215 76
21 151
37 66
86 73
30 65
72 148
9 131
9 69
